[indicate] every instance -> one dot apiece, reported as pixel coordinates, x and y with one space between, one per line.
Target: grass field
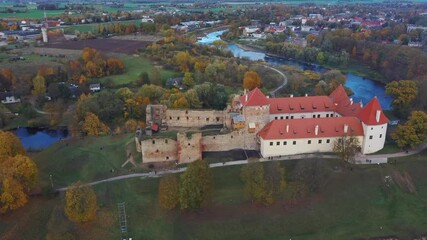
134 67
354 204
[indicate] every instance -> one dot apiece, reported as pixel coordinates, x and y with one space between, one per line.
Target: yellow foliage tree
12 195
168 192
251 80
183 60
10 146
39 86
20 168
92 126
80 203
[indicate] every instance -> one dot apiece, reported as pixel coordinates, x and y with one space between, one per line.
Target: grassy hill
355 203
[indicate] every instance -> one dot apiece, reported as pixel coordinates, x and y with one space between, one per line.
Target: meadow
354 204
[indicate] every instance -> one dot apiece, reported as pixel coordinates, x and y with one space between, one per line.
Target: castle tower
256 111
374 124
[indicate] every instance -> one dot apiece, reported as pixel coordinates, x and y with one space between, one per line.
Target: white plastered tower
374 124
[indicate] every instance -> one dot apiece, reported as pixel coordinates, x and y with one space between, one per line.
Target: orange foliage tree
92 126
251 80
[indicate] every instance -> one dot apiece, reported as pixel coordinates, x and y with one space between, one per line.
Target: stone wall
189 147
224 142
194 118
159 150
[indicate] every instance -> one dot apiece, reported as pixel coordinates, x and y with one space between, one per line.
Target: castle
272 126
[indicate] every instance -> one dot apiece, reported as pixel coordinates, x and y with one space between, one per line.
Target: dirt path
285 81
242 162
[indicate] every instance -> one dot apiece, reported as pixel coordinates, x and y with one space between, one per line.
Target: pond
364 89
39 138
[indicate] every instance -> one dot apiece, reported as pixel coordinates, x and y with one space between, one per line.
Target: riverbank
354 67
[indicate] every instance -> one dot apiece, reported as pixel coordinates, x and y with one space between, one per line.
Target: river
364 89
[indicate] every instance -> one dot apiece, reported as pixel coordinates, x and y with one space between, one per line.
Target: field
354 204
134 67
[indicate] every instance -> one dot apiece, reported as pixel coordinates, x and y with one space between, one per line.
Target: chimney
287 128
316 130
351 101
345 128
306 95
377 117
292 95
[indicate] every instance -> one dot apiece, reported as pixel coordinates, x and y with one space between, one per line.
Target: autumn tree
404 93
251 80
168 192
346 148
39 86
10 145
7 78
195 186
183 60
253 175
18 173
80 203
413 132
188 80
92 126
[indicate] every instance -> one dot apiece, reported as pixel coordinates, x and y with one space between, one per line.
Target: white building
309 124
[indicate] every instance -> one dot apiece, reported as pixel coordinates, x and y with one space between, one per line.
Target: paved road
376 158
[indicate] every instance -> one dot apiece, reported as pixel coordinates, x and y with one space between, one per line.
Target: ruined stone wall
189 147
159 150
224 142
194 118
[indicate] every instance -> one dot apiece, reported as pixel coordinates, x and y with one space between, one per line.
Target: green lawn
134 66
354 204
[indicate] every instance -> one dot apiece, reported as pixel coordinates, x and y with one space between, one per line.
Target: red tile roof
255 98
368 114
306 128
300 104
343 105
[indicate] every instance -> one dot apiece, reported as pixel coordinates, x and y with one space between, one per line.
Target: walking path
375 159
285 81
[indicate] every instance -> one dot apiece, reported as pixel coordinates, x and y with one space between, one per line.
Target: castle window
372 128
327 115
302 117
231 136
186 112
285 143
318 115
188 144
154 142
187 118
328 140
166 141
217 119
292 117
309 142
170 118
271 143
370 137
314 116
320 141
381 136
167 158
294 142
287 117
281 117
214 137
177 118
277 143
275 118
198 118
207 119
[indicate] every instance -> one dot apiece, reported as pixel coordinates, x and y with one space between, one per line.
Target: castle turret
374 124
